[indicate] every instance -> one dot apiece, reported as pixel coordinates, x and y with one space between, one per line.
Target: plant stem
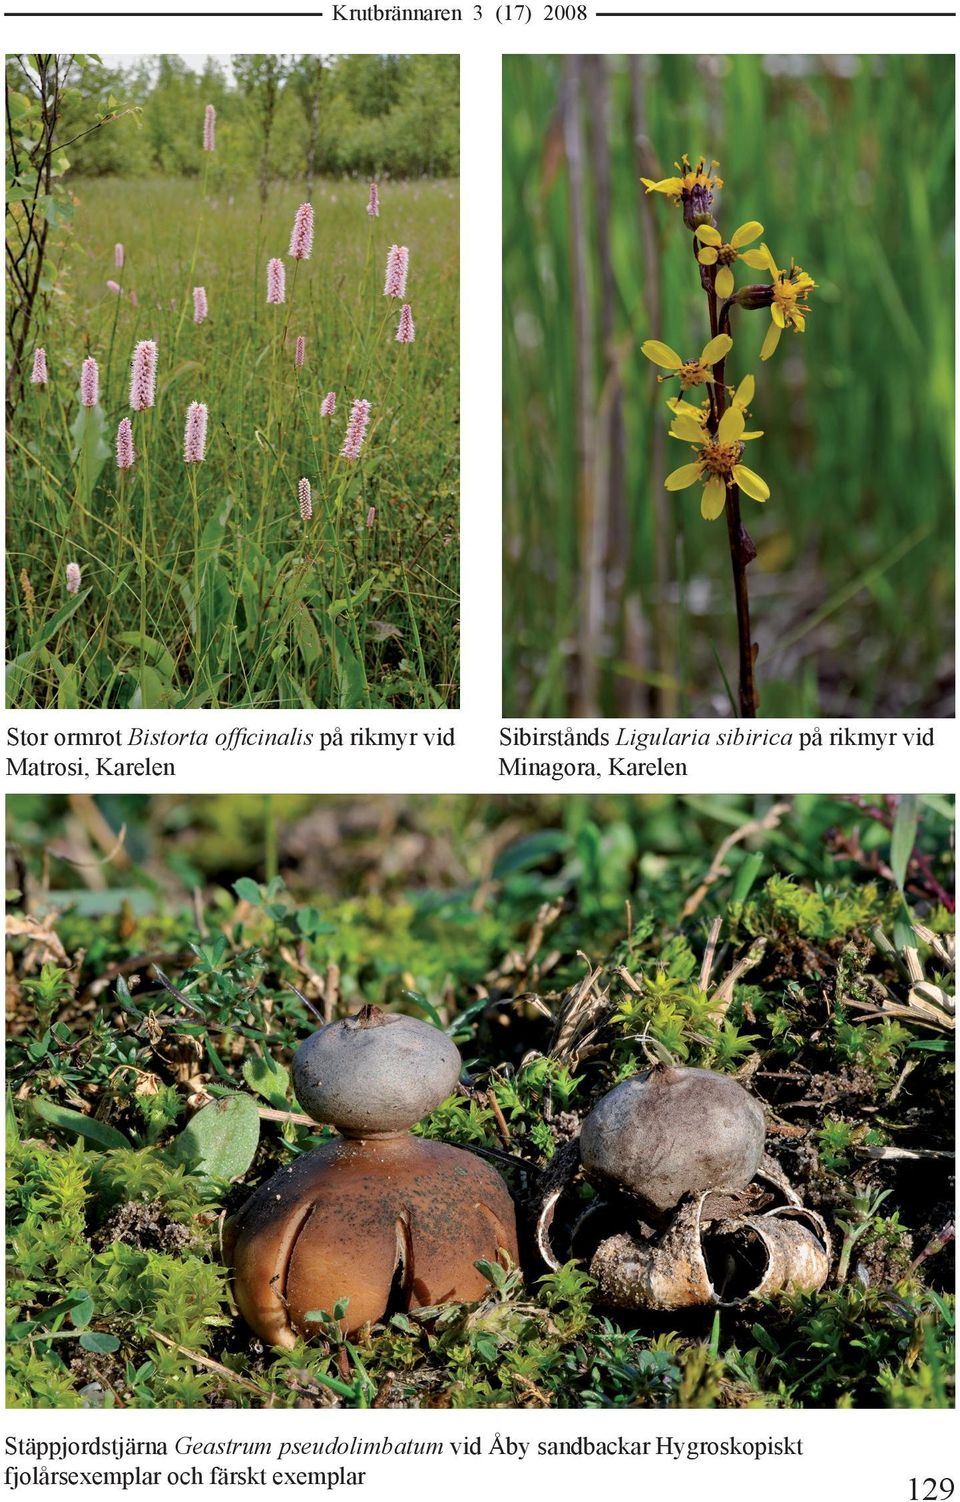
742 548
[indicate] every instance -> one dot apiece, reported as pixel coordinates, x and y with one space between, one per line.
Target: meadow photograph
728 403
232 392
461 1102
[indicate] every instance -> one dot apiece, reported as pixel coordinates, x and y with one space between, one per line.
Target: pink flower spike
125 454
118 256
209 128
276 281
305 499
405 329
329 404
89 382
143 375
300 353
114 287
373 206
134 300
356 430
397 262
39 375
73 578
199 304
371 517
195 434
301 240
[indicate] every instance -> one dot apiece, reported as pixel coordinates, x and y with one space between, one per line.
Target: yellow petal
751 483
707 255
744 394
714 498
678 405
777 314
707 235
716 348
731 425
687 428
687 474
799 322
756 259
757 433
769 262
665 185
661 354
724 282
770 342
746 233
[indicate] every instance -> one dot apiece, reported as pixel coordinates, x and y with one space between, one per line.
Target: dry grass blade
717 869
580 1011
723 995
710 953
215 1366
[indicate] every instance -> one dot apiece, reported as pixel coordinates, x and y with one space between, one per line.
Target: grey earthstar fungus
377 1217
691 1210
672 1132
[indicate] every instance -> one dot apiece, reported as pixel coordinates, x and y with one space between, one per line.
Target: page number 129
930 1489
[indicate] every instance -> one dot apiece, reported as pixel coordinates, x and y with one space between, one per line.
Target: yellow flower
691 372
688 179
718 461
742 398
788 309
717 251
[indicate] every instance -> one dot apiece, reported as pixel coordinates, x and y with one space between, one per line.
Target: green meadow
200 585
618 596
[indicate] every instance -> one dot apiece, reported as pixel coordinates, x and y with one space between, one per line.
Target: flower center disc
719 458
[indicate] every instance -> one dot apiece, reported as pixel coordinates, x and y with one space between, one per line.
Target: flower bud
754 296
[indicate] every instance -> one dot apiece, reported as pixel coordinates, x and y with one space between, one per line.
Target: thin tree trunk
25 274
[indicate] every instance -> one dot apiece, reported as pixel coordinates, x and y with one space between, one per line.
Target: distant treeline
278 116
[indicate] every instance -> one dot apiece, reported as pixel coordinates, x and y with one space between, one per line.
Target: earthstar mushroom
672 1132
377 1217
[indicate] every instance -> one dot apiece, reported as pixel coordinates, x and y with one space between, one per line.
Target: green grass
483 916
852 591
200 585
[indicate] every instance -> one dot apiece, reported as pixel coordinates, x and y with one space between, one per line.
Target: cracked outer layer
389 1224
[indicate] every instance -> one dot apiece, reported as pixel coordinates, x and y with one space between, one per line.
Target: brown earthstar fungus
377 1217
672 1132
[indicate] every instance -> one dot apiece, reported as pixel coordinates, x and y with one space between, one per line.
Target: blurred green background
369 114
625 604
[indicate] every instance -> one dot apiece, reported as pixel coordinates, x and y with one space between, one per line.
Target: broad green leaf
99 1342
269 1079
307 636
151 691
351 678
154 651
248 890
222 1138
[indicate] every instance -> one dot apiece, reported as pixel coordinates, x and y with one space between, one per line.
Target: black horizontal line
172 15
793 15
